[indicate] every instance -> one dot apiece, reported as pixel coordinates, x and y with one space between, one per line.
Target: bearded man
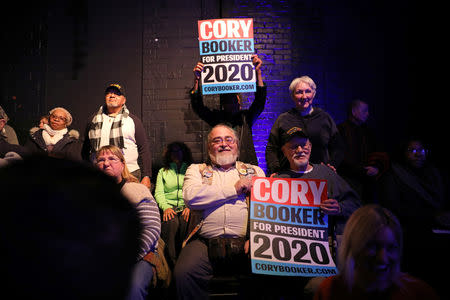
342 200
217 191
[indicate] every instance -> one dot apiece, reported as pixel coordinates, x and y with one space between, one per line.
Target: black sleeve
272 150
258 104
336 145
204 113
145 157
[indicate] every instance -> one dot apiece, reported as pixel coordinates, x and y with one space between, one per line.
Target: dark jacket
241 121
415 196
69 147
6 147
327 144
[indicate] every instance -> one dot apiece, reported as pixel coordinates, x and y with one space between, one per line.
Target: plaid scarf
115 136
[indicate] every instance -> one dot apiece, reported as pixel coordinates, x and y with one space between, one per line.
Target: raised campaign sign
288 231
226 47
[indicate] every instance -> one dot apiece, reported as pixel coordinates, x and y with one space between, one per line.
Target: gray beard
224 159
298 165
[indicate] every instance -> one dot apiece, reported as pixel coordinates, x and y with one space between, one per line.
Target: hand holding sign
289 227
198 70
226 48
256 62
330 207
243 185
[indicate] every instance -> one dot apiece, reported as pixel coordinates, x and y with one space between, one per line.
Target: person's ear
2 123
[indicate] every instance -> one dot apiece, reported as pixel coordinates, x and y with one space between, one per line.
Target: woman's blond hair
361 227
126 175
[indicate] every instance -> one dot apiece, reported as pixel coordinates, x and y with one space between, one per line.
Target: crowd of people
388 213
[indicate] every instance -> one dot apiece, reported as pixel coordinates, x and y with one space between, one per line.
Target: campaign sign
288 231
226 47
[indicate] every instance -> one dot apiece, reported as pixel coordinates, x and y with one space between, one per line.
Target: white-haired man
218 192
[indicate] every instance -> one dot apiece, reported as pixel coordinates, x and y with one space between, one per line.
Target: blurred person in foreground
68 232
369 261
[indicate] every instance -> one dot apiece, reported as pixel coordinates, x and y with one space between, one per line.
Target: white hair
305 79
68 115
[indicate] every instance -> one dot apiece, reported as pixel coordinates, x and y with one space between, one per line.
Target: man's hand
243 186
198 70
257 62
330 207
197 73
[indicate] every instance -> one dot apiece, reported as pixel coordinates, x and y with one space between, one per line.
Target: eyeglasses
112 159
417 151
58 118
229 140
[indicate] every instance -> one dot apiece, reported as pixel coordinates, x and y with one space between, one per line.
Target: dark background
390 53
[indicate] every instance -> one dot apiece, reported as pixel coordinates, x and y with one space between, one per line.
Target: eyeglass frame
114 160
58 118
229 140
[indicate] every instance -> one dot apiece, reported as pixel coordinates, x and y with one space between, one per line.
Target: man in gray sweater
342 199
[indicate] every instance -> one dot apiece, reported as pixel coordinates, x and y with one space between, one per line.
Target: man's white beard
224 159
297 164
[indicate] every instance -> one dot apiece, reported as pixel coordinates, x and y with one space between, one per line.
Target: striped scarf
115 136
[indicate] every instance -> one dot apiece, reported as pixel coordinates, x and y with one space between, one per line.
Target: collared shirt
225 213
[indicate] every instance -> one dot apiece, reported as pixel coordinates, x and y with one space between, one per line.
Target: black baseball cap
115 88
287 135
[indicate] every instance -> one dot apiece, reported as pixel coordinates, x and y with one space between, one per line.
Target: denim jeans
141 278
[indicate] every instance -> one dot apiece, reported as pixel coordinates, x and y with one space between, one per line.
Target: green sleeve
159 191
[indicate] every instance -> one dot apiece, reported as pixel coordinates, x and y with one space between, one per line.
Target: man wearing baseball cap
342 199
113 124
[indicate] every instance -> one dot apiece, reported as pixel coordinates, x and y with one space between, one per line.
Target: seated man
342 199
341 203
217 191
